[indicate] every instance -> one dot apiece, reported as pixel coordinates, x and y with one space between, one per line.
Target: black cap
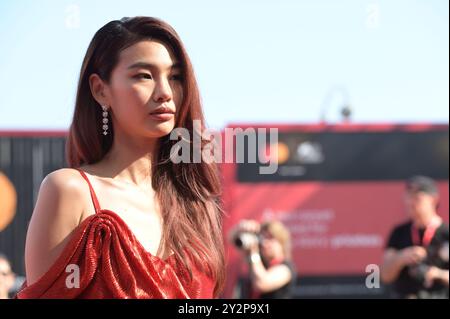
422 184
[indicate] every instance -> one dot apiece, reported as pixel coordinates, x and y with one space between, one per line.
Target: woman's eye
176 77
143 76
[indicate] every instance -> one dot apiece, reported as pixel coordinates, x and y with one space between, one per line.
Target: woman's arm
266 280
57 213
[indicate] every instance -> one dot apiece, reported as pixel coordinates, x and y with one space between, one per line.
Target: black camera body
437 255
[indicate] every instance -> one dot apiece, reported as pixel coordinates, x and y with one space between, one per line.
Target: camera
245 240
436 255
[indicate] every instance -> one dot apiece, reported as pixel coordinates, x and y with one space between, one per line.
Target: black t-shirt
410 280
286 291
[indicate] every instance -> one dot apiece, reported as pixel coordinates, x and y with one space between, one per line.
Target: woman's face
271 248
6 277
146 78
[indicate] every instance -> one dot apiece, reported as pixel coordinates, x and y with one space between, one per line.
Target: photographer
7 277
416 255
267 250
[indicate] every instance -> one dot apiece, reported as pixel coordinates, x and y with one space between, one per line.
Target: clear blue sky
256 61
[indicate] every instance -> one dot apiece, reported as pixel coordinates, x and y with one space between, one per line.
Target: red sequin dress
112 263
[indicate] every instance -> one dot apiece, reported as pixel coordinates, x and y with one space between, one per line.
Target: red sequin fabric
110 262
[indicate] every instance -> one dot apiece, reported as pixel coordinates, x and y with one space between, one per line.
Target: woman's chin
161 129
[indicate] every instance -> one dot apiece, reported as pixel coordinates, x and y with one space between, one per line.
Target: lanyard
428 235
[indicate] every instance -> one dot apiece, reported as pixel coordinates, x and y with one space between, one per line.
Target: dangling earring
105 119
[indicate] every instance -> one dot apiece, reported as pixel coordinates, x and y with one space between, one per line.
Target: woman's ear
99 89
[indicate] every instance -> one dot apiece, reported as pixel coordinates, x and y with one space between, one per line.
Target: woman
272 274
7 277
124 221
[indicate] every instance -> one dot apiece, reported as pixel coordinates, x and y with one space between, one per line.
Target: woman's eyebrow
147 65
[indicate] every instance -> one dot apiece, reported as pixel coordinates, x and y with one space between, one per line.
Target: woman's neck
130 160
275 259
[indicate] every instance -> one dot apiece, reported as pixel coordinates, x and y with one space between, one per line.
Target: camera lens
238 242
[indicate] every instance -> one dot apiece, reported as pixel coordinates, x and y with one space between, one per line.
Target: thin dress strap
93 196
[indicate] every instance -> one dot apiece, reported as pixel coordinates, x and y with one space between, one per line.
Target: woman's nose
163 91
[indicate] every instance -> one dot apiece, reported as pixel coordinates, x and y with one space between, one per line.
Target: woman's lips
162 116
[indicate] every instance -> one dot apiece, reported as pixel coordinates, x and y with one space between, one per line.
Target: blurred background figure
416 255
267 250
7 277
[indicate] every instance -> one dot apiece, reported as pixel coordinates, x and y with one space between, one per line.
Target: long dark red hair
188 193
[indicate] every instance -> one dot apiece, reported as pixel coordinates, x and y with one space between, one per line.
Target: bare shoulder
66 186
60 189
68 178
57 212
